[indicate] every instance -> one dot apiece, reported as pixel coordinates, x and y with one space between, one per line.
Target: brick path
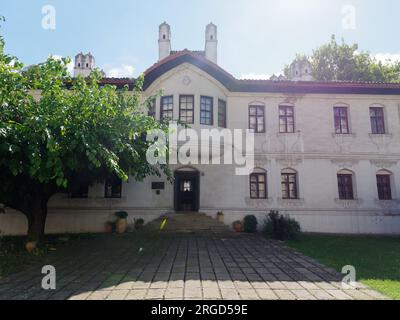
179 266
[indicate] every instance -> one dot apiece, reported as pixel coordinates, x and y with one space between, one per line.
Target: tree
54 130
343 62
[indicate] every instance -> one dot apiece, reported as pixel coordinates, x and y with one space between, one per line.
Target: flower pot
121 225
108 227
30 246
237 227
220 218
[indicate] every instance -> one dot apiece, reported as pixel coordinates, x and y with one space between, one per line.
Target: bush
250 224
139 223
121 215
280 227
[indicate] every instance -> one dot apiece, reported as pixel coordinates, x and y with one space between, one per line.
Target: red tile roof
247 85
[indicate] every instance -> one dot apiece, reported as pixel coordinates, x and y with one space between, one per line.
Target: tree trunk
37 219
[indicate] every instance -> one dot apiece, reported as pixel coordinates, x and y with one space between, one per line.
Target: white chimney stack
212 43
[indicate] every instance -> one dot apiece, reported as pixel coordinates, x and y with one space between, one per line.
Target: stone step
188 222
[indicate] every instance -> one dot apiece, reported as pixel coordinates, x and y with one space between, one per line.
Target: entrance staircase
189 222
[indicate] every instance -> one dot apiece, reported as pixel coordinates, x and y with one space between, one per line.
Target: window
167 108
186 109
113 188
151 112
221 113
345 185
341 120
258 186
384 186
286 119
289 184
206 111
377 120
256 119
78 189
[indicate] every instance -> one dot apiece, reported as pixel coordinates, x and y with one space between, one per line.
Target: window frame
339 118
382 195
186 109
377 120
257 116
285 118
169 110
220 123
211 112
287 183
345 190
110 182
257 184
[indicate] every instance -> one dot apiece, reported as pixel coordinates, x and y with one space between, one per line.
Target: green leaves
343 62
53 128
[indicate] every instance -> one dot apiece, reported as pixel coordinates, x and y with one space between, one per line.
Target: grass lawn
376 259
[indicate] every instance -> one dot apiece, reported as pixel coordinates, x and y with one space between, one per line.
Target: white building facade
327 154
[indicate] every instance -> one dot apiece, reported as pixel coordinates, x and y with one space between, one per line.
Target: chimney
164 41
212 43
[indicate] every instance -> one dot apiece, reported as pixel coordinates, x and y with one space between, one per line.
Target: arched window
258 184
289 184
383 181
345 180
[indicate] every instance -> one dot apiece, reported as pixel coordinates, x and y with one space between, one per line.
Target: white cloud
387 57
255 76
122 71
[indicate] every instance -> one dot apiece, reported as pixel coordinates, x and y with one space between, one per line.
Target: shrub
139 223
121 215
250 224
280 227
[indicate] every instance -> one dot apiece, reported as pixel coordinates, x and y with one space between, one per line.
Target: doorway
187 191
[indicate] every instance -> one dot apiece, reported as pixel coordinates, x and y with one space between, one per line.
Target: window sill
380 135
291 202
257 203
348 203
343 135
388 204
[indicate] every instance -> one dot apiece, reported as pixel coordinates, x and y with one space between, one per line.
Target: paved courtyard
181 266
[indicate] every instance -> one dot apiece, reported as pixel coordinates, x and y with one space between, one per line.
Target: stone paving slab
178 266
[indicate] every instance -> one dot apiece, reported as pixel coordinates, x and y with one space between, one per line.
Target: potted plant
139 223
238 226
122 222
30 245
220 217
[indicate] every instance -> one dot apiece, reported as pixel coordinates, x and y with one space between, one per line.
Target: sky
256 38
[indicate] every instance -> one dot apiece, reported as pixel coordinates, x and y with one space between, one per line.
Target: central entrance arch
187 190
